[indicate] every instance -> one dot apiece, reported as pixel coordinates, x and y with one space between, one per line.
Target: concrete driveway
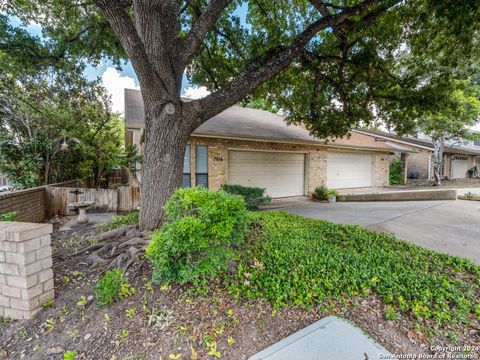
451 227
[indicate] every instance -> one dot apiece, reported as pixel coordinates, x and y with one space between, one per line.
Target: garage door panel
459 167
349 170
282 174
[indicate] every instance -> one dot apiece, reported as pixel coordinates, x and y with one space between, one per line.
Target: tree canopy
331 65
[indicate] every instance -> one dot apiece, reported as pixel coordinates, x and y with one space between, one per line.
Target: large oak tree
281 47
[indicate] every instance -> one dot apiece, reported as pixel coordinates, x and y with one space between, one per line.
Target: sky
116 81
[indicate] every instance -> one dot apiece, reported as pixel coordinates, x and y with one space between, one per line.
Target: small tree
457 111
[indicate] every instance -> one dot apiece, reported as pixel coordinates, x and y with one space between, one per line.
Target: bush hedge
321 192
396 171
253 196
199 237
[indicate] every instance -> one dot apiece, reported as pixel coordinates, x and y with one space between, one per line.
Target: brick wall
419 162
316 160
382 169
31 204
26 276
28 204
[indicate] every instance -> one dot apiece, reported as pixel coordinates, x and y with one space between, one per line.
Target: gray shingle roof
245 123
420 142
235 122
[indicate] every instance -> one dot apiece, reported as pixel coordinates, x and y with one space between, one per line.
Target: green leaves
203 229
112 287
306 262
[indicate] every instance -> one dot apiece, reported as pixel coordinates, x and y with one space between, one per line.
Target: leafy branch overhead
331 65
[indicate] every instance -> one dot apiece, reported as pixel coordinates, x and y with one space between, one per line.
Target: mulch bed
240 328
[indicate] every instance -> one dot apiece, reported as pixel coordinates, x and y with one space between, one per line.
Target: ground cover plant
234 314
470 196
293 260
121 220
112 287
8 216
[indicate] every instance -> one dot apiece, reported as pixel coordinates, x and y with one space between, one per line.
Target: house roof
252 124
418 143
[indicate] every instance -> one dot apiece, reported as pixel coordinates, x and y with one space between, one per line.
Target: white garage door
349 170
282 174
459 167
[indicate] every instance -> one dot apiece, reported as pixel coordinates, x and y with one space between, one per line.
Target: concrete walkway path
327 339
451 227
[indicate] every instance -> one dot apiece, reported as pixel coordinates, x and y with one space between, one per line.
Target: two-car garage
284 174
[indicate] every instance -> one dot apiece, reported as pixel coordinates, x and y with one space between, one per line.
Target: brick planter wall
28 204
26 276
31 205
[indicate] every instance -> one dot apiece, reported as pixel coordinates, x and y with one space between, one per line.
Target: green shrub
112 287
199 236
396 171
321 192
121 220
9 216
302 262
253 196
332 192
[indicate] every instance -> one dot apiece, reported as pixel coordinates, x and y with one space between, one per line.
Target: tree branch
264 68
124 29
201 27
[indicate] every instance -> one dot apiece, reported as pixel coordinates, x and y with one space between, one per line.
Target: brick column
26 276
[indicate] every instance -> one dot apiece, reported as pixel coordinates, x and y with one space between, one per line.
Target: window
201 165
476 142
186 182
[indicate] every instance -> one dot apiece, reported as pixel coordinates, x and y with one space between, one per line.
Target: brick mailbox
26 276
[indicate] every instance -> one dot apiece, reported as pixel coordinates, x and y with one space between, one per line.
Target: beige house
253 147
457 160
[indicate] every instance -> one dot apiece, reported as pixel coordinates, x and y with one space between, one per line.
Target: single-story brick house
257 148
457 160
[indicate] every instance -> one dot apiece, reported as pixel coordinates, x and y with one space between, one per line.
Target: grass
121 220
292 260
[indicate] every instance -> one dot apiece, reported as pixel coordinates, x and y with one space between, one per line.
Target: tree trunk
46 174
438 149
166 137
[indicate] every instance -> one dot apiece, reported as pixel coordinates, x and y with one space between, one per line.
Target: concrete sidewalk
451 227
327 339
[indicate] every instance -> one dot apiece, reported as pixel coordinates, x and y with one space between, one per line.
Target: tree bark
166 137
438 149
159 56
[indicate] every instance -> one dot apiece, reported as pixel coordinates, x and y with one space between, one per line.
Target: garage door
282 174
459 167
349 170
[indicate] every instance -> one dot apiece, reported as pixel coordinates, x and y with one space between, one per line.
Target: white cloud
115 84
193 92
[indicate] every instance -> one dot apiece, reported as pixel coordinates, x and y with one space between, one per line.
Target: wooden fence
123 199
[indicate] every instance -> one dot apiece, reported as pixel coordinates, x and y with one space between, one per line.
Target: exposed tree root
118 248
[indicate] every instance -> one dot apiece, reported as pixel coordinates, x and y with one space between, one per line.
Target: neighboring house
457 160
257 148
